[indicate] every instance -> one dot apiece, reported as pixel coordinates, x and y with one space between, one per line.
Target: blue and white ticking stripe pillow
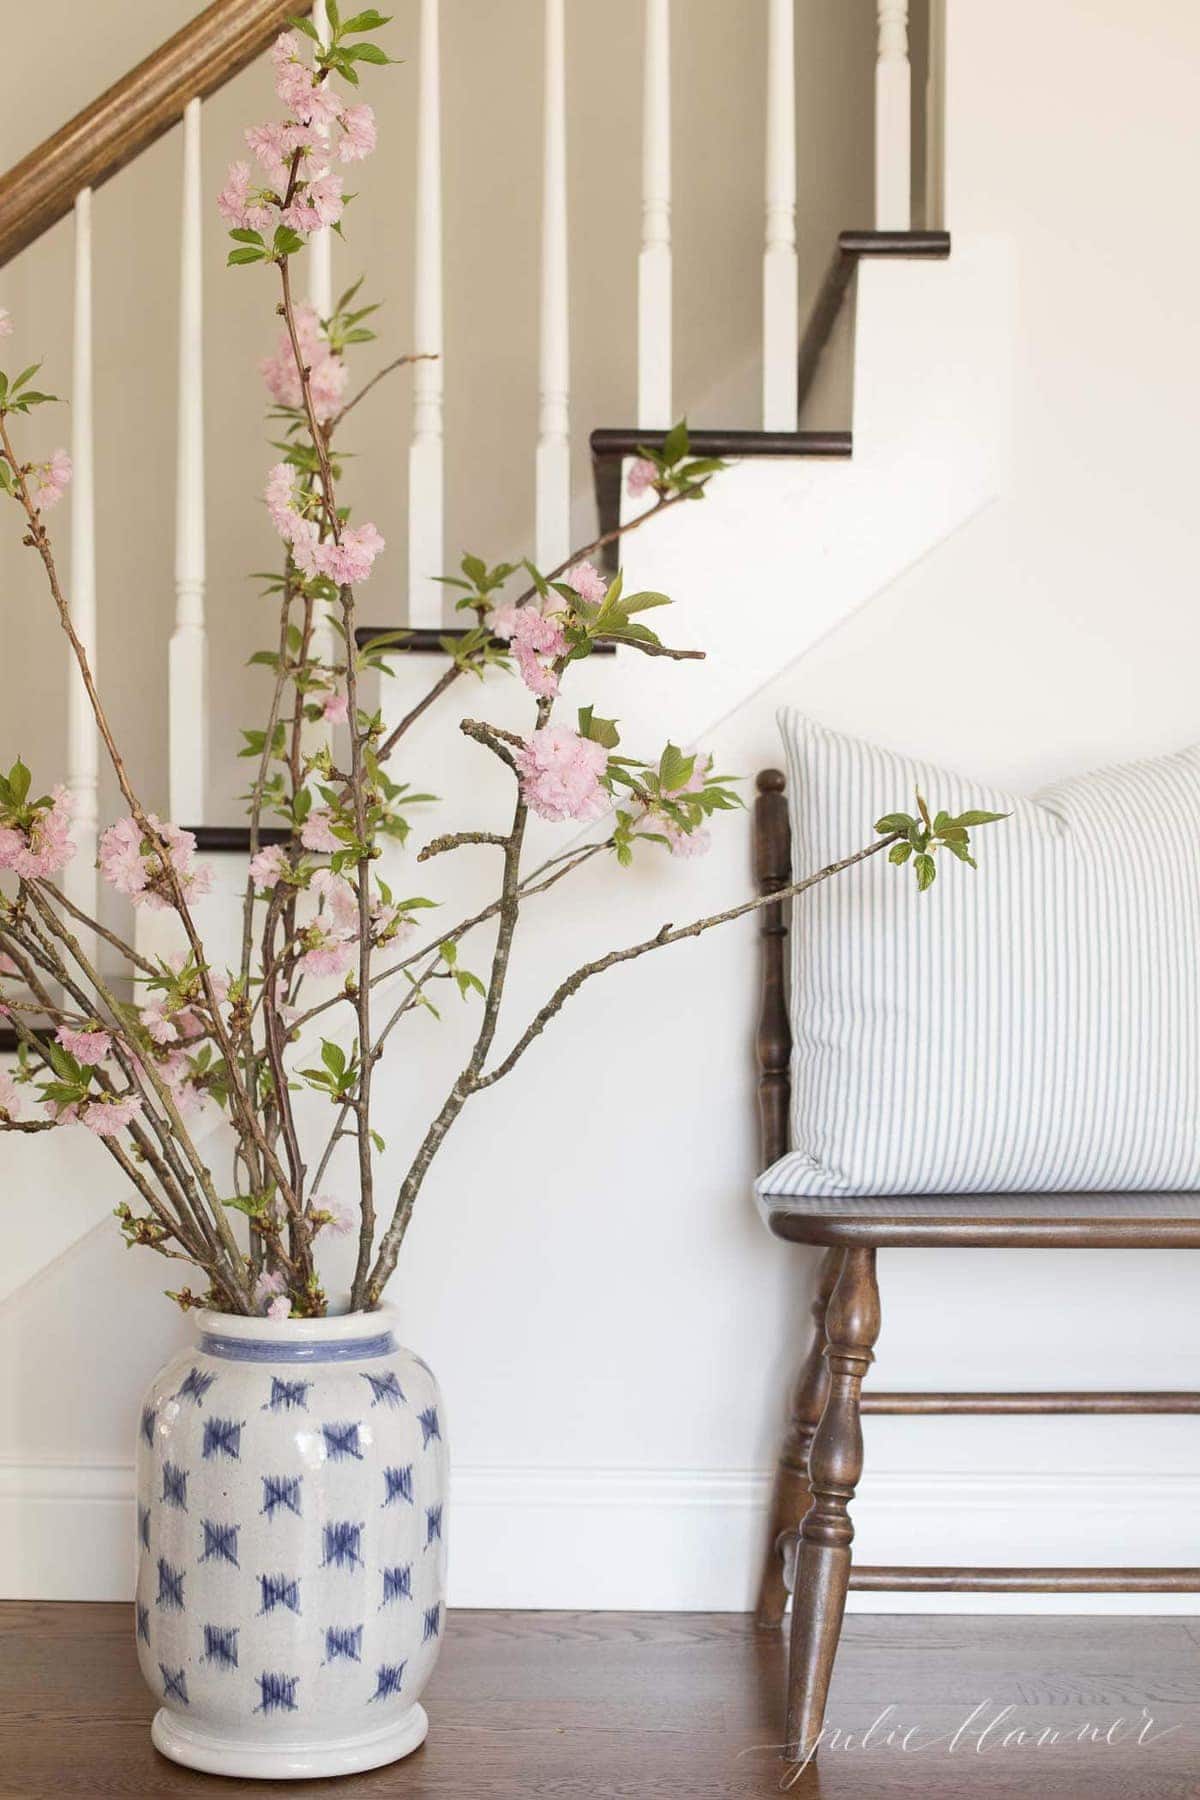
1033 1025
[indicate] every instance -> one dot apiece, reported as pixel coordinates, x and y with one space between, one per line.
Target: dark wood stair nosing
610 444
851 247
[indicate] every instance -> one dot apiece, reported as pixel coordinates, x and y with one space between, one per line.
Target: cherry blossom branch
399 362
38 539
668 934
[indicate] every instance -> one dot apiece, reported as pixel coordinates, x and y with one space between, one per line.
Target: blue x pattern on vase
291 1562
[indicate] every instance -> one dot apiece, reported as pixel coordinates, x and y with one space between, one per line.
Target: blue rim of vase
252 1350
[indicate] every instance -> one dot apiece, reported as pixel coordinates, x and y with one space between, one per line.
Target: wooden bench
810 1530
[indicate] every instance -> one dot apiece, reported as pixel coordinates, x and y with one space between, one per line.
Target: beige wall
491 125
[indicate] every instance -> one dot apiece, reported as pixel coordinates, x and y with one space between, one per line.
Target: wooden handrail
136 110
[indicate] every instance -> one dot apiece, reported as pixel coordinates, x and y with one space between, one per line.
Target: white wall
613 1327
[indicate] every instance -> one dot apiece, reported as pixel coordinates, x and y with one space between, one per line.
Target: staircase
804 527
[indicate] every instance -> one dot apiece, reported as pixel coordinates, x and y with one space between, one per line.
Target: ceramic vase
291 1554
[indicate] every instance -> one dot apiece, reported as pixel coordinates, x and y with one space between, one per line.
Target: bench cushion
1030 1027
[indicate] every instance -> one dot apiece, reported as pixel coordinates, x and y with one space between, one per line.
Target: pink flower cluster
337 1216
587 581
318 118
11 1098
6 324
537 642
43 847
329 942
561 774
642 475
326 369
134 866
344 563
269 866
50 480
104 1114
89 1046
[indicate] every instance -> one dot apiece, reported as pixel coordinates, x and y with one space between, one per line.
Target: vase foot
216 1755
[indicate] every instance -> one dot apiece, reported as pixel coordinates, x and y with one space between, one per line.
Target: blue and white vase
291 1558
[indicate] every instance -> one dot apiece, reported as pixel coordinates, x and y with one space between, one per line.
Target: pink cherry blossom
697 842
154 1017
358 133
87 1047
280 496
7 965
642 474
268 865
587 581
336 709
50 480
106 1117
536 642
269 1286
43 847
6 324
317 832
340 1216
11 1098
316 203
235 205
326 372
326 954
339 900
352 559
503 621
560 774
134 866
280 1308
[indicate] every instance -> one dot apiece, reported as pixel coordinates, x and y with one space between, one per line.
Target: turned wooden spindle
834 1467
791 1495
772 871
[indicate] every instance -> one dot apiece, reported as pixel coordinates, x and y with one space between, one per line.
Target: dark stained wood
791 1495
609 445
835 1463
893 1579
425 640
91 147
1012 1232
217 838
657 1706
851 247
772 871
1081 1401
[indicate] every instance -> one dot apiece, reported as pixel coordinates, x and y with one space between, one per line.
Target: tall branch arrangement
332 960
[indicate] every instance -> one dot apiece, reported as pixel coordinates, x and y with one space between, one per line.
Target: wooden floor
654 1706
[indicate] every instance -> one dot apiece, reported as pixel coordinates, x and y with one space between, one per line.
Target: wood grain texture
136 110
653 1706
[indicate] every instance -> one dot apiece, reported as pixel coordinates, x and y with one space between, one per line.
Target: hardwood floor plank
651 1706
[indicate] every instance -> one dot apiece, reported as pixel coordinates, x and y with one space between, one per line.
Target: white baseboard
644 1540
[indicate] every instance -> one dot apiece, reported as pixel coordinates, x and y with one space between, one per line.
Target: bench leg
791 1496
835 1465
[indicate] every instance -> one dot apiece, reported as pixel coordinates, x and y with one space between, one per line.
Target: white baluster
935 116
83 738
188 663
323 646
553 526
426 456
780 293
320 244
893 112
654 258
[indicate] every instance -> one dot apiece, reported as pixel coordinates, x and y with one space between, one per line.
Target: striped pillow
1033 1025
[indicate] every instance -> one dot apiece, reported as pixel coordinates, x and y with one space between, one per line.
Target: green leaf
979 818
675 444
598 731
378 1142
334 1058
926 871
253 1205
247 255
19 780
900 853
366 21
307 27
368 53
960 850
894 822
241 234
